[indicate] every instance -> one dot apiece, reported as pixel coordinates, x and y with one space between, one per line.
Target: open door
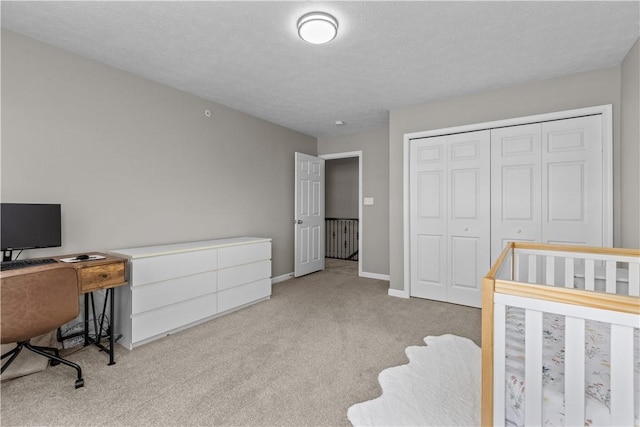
309 214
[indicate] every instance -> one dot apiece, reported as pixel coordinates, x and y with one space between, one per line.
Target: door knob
466 229
299 221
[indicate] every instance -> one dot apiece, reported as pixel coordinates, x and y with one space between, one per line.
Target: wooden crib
579 291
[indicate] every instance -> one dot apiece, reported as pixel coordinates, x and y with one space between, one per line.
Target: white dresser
173 287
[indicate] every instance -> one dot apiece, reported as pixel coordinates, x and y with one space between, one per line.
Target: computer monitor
29 226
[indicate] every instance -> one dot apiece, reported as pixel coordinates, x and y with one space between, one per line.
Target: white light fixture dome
317 27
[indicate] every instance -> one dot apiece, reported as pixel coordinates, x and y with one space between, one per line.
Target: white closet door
469 238
449 208
572 177
516 186
428 211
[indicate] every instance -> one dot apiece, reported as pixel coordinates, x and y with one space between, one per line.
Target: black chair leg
57 359
13 353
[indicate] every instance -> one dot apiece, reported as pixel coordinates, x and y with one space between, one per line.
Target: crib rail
543 279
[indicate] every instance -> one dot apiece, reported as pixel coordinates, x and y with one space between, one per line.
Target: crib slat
610 286
551 270
568 273
533 368
622 399
499 360
589 272
634 279
532 269
574 381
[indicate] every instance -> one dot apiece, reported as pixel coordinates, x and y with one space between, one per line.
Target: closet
547 183
471 192
450 244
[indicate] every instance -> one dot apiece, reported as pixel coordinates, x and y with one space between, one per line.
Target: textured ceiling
387 55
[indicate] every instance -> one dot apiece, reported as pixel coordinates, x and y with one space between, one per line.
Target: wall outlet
368 200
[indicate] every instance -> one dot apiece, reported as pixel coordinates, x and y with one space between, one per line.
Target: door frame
607 171
348 155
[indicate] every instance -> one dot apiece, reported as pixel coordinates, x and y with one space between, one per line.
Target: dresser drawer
240 295
165 267
155 295
246 273
167 319
243 254
101 276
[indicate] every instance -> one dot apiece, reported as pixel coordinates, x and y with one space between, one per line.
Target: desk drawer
101 276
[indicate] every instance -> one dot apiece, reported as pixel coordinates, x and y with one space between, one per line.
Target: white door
309 214
572 203
515 186
449 217
547 183
469 232
428 217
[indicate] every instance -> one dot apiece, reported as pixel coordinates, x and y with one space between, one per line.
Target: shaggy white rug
440 386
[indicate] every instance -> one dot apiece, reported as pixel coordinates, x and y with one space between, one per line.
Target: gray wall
375 183
341 188
563 93
137 163
630 148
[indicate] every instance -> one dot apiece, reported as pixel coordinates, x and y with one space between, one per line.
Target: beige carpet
301 358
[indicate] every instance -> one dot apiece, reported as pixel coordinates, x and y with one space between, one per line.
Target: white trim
347 155
515 121
374 276
405 218
344 155
607 166
607 172
398 293
281 278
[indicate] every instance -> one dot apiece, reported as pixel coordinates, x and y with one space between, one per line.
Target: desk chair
33 303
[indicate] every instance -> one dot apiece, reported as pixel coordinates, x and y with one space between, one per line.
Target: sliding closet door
515 186
572 204
449 210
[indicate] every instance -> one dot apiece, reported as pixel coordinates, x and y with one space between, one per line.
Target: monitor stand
7 255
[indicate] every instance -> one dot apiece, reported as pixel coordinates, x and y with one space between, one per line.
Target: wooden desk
93 275
98 274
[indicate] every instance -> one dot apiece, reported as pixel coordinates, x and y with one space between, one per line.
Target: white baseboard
398 293
281 278
374 276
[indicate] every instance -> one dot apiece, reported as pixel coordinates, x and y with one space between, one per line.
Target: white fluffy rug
440 386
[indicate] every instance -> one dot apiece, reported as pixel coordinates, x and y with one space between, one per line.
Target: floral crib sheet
597 350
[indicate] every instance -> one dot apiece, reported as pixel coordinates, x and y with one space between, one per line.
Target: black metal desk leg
86 319
112 329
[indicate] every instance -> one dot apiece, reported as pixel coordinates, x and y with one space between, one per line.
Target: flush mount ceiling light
317 27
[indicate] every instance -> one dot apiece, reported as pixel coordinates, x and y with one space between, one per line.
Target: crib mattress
597 351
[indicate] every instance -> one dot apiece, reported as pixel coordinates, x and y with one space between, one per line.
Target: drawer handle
104 275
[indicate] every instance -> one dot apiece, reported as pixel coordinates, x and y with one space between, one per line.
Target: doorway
343 208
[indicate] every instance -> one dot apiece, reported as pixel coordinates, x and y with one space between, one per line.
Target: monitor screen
29 226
